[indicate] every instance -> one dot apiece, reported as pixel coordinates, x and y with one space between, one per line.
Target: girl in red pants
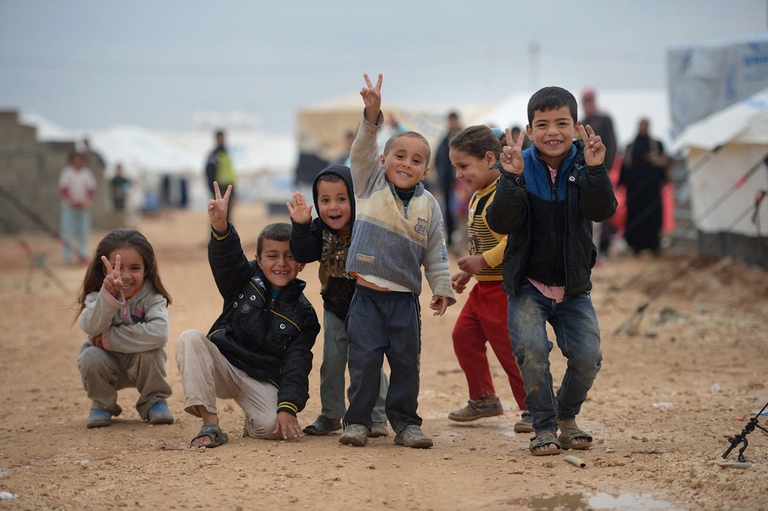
474 154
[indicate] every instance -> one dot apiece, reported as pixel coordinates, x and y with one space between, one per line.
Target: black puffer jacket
549 225
270 339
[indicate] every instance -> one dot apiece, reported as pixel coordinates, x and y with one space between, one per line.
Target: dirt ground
693 372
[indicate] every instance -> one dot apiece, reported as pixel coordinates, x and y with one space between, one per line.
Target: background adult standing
77 188
219 168
602 123
644 172
446 176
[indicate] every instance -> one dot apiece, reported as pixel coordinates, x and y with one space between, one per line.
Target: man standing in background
219 168
602 123
446 176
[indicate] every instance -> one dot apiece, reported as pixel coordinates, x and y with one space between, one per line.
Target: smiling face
552 131
474 172
405 164
132 270
333 205
277 263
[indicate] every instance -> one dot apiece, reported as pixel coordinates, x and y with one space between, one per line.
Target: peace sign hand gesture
512 155
218 207
594 149
113 280
372 98
300 212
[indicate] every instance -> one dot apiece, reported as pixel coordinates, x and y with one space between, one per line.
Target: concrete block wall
29 172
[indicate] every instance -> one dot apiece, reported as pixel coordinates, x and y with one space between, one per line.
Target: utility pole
533 65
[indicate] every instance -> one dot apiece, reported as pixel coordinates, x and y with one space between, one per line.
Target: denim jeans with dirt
578 336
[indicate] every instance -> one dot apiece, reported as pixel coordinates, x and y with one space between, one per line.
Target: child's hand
472 264
594 149
288 426
372 99
512 157
113 280
218 207
96 340
300 212
439 304
459 281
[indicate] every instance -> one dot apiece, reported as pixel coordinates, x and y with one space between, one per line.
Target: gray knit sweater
390 239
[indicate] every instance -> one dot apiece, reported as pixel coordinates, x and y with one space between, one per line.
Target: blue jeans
578 337
75 223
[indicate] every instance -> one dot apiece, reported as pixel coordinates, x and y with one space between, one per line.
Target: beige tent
321 128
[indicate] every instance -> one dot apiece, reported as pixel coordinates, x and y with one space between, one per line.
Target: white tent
708 76
625 106
727 154
262 161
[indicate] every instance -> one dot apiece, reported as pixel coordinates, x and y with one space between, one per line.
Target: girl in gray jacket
123 309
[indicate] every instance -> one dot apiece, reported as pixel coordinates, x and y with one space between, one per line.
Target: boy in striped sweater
397 230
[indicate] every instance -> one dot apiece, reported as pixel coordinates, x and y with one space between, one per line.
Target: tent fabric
706 77
745 122
625 106
321 127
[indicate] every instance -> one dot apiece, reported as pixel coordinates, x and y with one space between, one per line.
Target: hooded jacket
269 338
315 241
549 225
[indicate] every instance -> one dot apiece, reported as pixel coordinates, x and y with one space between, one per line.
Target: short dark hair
413 134
477 141
330 177
219 133
453 115
552 98
279 231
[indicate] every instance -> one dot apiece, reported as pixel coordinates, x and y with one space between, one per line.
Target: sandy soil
694 371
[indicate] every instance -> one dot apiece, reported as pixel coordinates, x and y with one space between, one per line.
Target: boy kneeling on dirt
259 350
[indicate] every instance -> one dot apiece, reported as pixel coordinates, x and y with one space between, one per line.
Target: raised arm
372 98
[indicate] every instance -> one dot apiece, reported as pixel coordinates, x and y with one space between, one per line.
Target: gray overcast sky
92 64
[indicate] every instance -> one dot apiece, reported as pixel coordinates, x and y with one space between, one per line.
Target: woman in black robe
643 173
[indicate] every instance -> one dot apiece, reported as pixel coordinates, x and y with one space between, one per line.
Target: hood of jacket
344 173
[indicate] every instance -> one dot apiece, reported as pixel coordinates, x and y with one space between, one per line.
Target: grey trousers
105 372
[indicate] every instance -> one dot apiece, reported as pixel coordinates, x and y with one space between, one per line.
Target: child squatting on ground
259 350
546 200
397 230
123 309
327 239
474 155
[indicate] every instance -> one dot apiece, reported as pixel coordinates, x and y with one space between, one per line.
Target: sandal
214 432
322 426
568 435
543 440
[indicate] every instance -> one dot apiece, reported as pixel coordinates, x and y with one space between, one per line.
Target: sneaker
525 424
378 429
160 414
99 418
477 409
354 434
412 436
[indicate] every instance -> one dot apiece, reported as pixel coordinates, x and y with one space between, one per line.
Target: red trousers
484 319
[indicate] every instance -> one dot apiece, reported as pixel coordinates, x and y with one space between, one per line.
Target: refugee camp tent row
727 158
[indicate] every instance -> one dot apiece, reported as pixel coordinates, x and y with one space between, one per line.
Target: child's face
333 205
552 132
132 268
406 162
277 263
474 172
77 162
